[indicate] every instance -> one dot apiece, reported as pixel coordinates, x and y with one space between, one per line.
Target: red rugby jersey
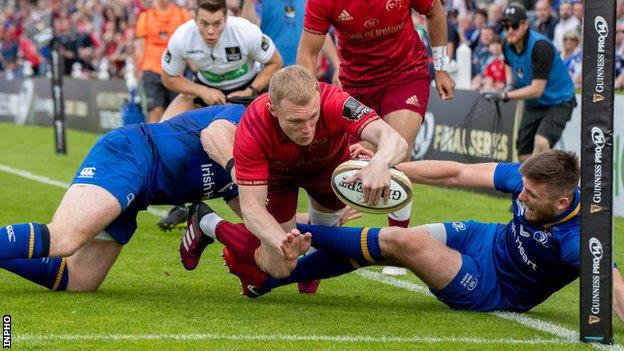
262 150
376 38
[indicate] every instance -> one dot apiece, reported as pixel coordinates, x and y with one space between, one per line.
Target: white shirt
225 66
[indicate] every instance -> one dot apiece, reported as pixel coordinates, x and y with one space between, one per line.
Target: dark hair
212 6
481 12
558 169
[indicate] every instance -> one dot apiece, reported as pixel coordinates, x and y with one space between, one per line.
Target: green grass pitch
149 301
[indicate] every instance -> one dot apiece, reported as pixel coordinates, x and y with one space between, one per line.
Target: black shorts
156 93
548 122
201 103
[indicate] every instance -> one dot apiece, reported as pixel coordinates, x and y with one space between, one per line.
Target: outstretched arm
436 27
309 47
450 173
391 147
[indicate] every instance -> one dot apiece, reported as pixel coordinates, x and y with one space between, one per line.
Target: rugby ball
353 194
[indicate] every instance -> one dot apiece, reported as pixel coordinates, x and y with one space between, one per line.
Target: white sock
320 218
402 214
208 224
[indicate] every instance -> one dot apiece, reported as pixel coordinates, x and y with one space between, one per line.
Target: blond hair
294 83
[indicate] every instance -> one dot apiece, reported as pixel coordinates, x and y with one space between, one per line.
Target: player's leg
109 180
89 266
344 249
474 286
156 95
349 248
282 205
415 249
319 214
403 106
181 103
84 211
317 265
551 126
407 124
199 233
531 119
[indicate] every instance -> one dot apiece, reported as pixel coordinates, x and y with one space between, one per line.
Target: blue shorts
121 164
475 287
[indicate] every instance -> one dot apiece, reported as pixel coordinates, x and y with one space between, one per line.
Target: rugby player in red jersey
291 138
383 61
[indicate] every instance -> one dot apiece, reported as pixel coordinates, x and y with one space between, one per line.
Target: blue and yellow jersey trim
566 218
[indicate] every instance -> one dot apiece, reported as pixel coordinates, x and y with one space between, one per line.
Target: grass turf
148 299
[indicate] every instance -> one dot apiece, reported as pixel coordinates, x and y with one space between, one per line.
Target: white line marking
45 180
32 176
287 337
568 335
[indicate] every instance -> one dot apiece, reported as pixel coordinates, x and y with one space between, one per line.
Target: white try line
45 180
287 337
567 335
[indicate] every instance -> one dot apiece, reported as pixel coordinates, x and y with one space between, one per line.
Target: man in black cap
535 73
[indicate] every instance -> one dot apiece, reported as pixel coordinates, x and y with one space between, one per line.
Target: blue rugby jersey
534 260
181 171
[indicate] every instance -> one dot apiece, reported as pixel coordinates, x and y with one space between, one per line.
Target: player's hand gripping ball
352 194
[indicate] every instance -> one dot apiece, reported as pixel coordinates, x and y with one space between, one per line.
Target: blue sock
361 244
27 240
51 272
317 265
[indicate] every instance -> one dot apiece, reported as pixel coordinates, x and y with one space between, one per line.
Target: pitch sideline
287 337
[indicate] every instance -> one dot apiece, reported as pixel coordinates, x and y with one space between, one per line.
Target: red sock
238 239
397 223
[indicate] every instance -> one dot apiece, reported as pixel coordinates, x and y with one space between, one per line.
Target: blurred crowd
560 21
96 36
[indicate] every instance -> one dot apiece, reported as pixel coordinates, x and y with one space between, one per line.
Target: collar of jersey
568 214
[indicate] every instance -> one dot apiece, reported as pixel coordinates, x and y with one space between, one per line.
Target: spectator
495 11
566 22
462 7
481 55
29 51
479 20
153 30
86 48
452 33
541 80
572 55
68 43
578 10
494 72
545 23
466 28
